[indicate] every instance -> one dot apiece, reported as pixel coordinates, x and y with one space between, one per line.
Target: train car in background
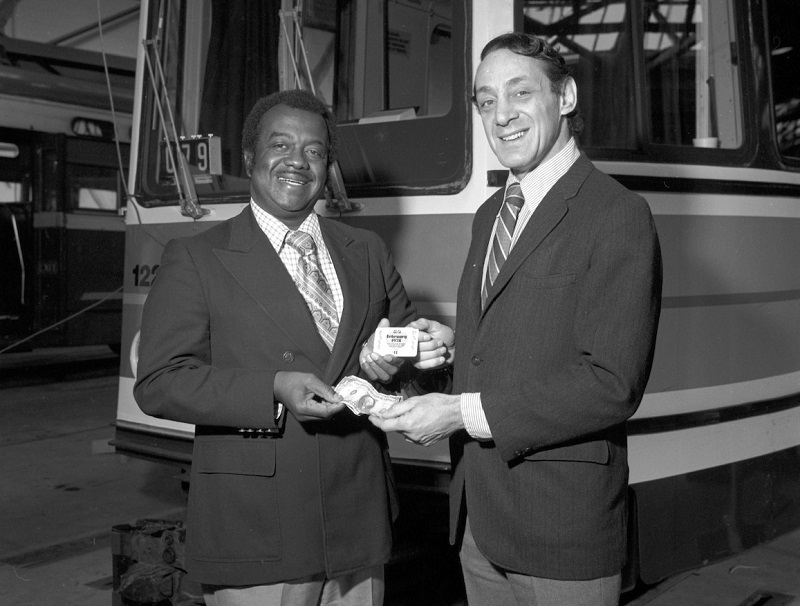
64 149
693 103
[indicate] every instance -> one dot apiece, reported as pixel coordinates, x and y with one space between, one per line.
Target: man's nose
506 111
296 158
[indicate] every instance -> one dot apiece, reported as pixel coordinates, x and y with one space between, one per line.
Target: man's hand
437 344
375 366
306 396
423 420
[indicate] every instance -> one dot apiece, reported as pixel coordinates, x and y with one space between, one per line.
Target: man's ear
569 96
248 162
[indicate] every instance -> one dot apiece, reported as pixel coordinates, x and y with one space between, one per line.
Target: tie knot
301 241
514 196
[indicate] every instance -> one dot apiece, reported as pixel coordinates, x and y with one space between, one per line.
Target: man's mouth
513 137
293 180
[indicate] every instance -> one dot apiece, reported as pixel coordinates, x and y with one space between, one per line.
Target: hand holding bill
306 396
423 420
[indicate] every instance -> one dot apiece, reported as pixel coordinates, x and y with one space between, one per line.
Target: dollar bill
362 398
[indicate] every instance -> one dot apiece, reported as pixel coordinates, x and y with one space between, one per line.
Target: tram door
16 214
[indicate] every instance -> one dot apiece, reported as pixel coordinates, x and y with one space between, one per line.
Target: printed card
400 342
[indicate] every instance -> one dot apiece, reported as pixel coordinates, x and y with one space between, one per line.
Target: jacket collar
549 213
255 265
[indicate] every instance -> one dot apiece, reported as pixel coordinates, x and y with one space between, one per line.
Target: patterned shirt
276 231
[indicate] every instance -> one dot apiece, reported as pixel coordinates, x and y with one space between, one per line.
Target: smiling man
557 313
246 328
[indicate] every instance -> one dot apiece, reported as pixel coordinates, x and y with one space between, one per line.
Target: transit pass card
400 342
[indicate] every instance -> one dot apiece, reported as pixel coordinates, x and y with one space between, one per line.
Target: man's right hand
306 396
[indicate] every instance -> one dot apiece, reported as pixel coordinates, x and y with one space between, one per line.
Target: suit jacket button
288 357
476 361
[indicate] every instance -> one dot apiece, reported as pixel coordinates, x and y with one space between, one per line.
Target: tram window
594 38
401 72
691 73
688 57
97 199
409 74
784 56
93 187
10 191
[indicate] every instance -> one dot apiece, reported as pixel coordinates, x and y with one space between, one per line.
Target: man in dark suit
557 313
245 330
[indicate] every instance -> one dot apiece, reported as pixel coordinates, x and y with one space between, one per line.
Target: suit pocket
233 513
587 452
235 455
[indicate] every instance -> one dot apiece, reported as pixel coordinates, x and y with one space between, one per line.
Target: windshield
392 71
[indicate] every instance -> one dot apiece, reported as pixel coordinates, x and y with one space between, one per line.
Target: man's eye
522 93
315 152
486 104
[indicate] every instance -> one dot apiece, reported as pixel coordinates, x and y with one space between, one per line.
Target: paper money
362 398
400 342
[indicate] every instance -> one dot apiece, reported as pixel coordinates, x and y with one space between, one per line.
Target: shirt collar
276 231
552 169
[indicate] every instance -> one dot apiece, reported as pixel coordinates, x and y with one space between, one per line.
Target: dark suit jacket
560 356
222 318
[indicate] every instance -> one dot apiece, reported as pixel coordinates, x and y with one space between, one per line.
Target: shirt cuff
474 418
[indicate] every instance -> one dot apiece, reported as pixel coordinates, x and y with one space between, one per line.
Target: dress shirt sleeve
474 418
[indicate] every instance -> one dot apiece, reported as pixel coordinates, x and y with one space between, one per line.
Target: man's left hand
424 419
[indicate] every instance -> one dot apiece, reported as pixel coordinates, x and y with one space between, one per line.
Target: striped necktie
504 232
314 287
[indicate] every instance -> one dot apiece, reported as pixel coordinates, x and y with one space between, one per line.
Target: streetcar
64 150
695 104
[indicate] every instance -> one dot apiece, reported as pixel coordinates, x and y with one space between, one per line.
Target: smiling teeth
512 137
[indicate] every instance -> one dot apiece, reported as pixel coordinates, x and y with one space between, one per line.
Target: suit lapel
545 218
477 255
351 261
255 265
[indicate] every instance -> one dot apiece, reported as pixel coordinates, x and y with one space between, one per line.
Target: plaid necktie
504 232
314 287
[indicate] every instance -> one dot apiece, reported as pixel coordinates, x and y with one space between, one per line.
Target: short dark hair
297 99
555 68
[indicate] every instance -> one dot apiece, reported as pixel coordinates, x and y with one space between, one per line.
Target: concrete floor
62 488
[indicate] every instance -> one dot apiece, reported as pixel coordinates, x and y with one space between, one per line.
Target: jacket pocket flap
590 452
235 455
